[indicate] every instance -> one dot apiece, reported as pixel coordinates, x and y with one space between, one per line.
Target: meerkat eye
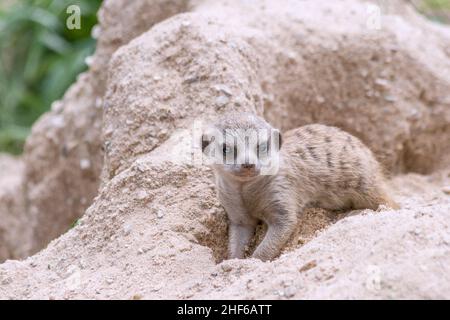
262 148
226 149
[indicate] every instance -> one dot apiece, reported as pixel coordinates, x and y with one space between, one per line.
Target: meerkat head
242 146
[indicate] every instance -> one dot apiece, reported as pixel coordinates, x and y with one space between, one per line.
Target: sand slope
117 151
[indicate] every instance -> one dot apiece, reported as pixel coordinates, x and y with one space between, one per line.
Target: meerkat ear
278 138
206 141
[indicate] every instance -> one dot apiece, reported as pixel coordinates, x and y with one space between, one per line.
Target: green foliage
437 4
74 223
436 10
39 58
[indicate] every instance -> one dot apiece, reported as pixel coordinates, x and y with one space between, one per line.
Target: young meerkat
263 176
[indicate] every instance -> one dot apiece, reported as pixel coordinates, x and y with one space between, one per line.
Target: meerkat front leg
279 229
239 236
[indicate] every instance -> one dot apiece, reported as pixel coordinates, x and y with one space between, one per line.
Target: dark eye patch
206 141
226 149
262 147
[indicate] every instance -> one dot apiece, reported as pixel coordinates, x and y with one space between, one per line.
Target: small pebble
309 265
186 23
159 214
95 32
382 82
57 106
141 195
89 60
222 100
320 99
224 89
85 164
98 102
390 98
364 73
226 268
140 167
6 281
446 189
58 121
127 229
290 292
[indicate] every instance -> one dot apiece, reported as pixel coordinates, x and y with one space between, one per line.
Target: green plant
74 223
437 4
436 10
39 59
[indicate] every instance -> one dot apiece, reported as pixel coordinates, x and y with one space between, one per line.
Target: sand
106 201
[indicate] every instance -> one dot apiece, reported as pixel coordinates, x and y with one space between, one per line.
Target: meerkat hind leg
373 199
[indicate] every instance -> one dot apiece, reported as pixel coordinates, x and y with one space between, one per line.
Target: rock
127 229
58 121
89 60
446 190
308 266
382 82
95 32
226 267
221 88
142 195
320 99
290 292
159 214
390 98
85 164
248 49
222 100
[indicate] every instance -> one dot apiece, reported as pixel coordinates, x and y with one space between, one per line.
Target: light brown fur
319 165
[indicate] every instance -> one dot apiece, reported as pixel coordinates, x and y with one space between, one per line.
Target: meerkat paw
264 256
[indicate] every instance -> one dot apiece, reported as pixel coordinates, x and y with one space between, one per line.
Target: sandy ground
113 154
126 253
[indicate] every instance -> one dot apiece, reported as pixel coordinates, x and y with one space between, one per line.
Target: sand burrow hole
214 231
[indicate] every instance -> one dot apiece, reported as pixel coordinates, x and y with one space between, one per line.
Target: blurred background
40 57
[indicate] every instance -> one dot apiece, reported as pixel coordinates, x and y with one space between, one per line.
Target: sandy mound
156 230
15 227
63 156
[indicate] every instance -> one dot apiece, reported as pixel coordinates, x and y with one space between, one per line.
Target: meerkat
272 178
